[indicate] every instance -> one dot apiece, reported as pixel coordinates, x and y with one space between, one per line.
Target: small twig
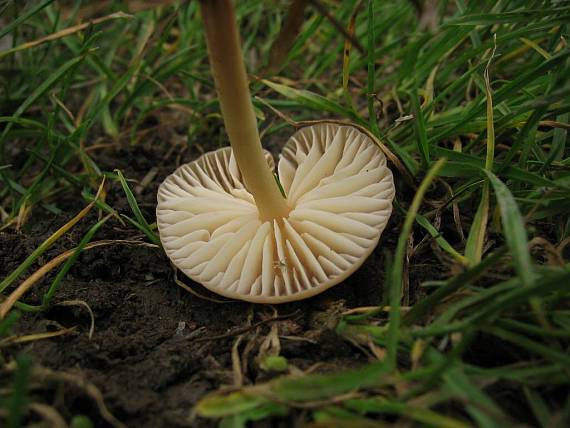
195 293
248 328
13 340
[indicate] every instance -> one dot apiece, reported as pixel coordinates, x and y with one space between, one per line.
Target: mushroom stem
237 109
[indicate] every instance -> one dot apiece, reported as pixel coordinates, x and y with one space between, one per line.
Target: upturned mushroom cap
339 192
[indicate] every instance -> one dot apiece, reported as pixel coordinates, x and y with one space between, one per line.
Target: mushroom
229 224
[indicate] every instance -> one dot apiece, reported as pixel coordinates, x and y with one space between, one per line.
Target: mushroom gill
339 196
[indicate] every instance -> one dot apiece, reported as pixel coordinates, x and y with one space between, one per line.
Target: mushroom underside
339 192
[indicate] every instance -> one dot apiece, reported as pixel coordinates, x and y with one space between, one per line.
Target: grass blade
513 229
420 128
441 241
141 221
38 92
23 17
71 260
476 237
371 70
48 243
531 345
425 306
313 101
18 399
397 267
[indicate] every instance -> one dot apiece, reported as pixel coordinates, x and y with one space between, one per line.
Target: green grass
487 89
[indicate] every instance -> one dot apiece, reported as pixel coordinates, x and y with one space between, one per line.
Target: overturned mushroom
224 221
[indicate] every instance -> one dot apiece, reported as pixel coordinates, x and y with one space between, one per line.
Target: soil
156 348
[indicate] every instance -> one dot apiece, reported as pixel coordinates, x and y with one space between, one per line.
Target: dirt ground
156 348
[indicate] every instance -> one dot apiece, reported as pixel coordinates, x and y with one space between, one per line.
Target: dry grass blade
48 242
248 328
43 375
86 306
88 9
13 340
64 33
554 124
49 415
554 257
236 363
195 293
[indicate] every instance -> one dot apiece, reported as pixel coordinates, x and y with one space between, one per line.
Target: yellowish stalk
237 109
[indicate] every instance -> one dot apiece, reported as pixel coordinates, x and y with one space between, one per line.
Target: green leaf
513 229
23 17
217 406
274 363
7 323
530 345
141 221
441 241
476 238
41 90
429 304
479 406
415 413
550 283
559 139
538 406
395 289
313 101
508 90
81 421
17 400
371 58
561 14
420 127
478 229
71 261
321 386
103 104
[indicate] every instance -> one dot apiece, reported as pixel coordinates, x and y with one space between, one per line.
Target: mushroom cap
340 194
